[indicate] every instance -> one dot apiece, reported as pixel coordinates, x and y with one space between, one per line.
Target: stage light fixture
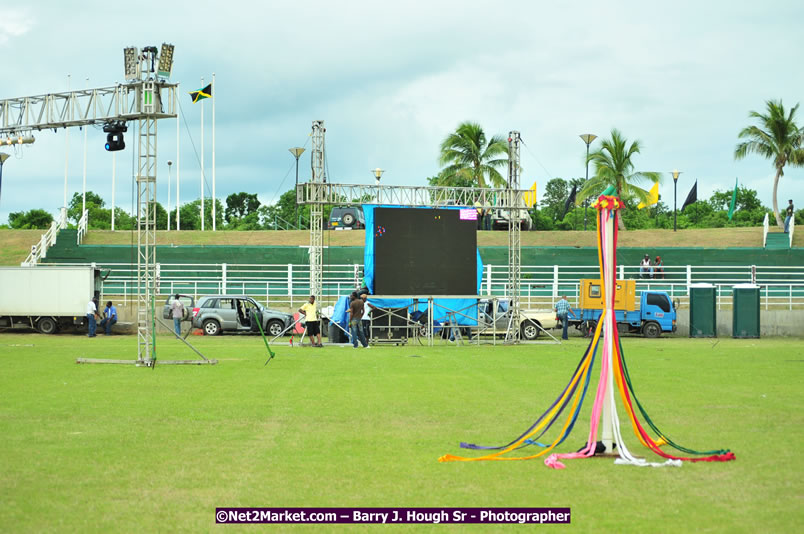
131 63
165 61
114 136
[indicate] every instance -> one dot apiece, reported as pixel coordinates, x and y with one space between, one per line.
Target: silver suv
232 313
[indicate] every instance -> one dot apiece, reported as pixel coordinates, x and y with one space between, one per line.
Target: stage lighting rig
165 61
114 136
131 59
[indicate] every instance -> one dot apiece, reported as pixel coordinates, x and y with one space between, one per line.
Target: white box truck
46 297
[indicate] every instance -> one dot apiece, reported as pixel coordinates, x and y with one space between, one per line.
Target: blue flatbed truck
655 314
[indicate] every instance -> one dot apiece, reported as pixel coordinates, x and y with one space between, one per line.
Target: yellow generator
592 295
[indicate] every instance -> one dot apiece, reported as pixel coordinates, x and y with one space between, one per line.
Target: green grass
122 449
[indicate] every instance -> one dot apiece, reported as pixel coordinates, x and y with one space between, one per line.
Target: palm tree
614 167
468 156
777 137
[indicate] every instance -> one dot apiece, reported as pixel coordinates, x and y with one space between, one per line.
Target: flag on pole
530 196
733 200
570 200
201 94
653 197
692 197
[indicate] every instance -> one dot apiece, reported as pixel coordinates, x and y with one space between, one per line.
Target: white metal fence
288 285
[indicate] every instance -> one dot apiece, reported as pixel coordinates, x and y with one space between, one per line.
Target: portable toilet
703 310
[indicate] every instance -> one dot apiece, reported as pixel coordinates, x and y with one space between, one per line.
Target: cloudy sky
391 80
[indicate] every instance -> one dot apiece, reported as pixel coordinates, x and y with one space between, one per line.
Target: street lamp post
377 174
675 191
297 152
586 138
170 163
3 158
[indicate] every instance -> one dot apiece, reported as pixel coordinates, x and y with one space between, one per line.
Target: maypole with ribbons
613 373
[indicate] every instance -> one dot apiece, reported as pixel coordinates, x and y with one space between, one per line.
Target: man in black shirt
355 311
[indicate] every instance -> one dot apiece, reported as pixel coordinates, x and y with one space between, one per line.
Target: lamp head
588 138
675 175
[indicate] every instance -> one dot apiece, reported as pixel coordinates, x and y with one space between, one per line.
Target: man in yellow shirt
310 312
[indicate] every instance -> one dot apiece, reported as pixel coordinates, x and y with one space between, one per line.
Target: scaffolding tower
514 237
317 181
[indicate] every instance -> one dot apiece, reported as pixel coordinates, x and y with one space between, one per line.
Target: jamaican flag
201 94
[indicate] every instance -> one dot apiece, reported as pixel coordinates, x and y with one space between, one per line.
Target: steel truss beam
319 193
86 107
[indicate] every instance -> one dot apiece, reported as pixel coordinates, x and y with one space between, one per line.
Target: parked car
346 218
187 300
232 313
499 219
530 325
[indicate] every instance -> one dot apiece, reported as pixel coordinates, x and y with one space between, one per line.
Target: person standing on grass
177 312
366 316
109 318
355 312
92 313
563 309
310 312
788 216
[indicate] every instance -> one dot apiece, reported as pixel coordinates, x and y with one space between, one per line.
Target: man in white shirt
177 312
645 268
92 313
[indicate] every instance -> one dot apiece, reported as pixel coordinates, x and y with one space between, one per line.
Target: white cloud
14 23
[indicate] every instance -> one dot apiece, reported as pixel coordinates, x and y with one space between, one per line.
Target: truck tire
590 328
47 325
651 329
275 327
211 327
530 330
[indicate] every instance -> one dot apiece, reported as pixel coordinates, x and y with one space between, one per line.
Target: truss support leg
146 239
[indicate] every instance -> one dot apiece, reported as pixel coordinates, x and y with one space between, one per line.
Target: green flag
733 200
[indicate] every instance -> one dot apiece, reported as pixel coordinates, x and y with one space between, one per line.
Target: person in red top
658 268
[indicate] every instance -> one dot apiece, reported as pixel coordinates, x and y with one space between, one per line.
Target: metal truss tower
317 184
147 282
145 98
514 237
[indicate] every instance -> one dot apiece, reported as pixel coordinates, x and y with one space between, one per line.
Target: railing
39 250
765 228
83 223
288 285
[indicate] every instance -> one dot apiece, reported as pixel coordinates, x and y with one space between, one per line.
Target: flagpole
178 156
202 159
213 151
66 155
84 186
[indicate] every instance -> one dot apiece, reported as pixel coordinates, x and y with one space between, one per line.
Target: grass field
122 449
